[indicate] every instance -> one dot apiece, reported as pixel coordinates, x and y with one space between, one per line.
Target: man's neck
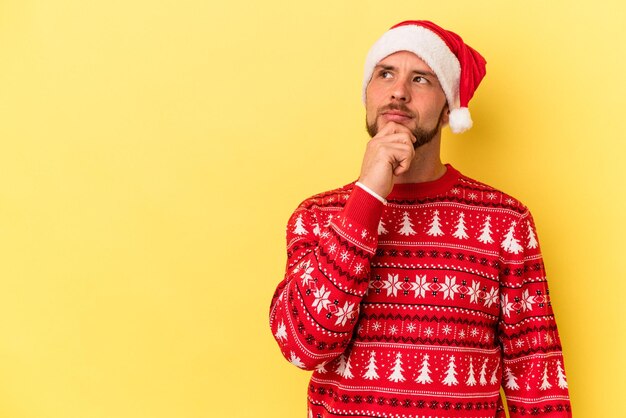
426 165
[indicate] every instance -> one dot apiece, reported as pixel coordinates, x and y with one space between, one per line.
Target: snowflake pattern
321 299
507 306
358 269
447 288
345 313
450 287
392 284
419 286
527 301
306 269
492 297
474 291
447 329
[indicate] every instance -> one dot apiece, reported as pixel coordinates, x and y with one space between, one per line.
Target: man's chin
381 122
422 137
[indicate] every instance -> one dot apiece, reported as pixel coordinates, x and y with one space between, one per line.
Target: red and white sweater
421 308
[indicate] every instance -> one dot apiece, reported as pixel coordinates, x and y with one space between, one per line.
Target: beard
422 136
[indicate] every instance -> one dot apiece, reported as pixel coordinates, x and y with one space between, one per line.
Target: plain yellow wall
152 151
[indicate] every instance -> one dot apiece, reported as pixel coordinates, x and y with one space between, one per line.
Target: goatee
422 136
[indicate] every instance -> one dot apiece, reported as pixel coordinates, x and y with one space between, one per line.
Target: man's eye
385 74
420 79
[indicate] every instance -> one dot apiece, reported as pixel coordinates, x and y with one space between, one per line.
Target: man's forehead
415 63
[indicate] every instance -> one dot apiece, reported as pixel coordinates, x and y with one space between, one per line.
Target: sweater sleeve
533 378
315 307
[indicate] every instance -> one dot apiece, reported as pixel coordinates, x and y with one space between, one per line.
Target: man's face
403 89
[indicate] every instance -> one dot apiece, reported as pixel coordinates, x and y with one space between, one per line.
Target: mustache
396 106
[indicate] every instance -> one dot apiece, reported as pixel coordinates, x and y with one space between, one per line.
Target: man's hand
388 154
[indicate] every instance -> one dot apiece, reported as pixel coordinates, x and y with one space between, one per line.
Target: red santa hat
459 68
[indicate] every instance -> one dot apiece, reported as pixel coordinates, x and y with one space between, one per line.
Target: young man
417 291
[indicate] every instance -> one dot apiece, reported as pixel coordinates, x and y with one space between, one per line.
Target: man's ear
445 115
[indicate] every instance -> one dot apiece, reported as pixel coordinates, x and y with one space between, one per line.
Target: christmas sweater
421 308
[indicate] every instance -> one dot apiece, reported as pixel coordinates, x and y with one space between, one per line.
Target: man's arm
534 374
315 307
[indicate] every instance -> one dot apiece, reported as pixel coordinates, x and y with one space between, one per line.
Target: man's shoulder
474 192
330 199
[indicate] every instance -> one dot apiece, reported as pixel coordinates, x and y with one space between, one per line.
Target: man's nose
400 91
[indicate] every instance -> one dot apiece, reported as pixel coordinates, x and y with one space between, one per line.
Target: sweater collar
427 188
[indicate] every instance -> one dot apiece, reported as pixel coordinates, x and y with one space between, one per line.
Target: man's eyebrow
392 68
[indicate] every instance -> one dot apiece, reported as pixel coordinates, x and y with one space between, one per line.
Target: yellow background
152 151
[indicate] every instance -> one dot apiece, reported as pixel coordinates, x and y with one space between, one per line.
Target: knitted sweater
421 308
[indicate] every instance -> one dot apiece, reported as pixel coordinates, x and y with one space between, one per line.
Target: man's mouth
396 115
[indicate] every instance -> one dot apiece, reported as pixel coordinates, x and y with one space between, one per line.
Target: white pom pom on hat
459 68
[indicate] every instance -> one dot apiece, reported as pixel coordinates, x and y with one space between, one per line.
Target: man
418 291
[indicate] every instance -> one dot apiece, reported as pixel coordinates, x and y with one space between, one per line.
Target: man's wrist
371 192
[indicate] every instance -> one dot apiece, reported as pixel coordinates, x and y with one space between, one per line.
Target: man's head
403 89
437 58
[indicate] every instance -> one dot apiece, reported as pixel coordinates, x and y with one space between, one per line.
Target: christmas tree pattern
371 373
544 380
347 371
510 243
511 380
281 332
407 226
435 225
299 228
483 374
341 366
461 229
396 375
381 228
424 376
494 376
320 368
296 361
560 373
471 379
532 238
450 378
485 236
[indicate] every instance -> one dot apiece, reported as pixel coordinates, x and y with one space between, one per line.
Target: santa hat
458 67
